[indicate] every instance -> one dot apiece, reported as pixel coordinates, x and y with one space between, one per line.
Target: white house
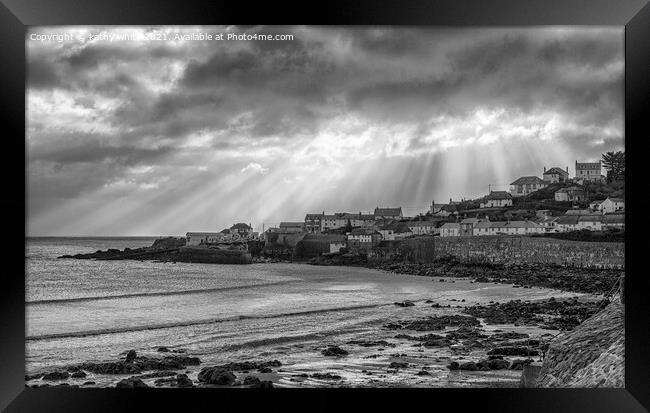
614 221
588 171
567 223
570 194
450 229
611 205
547 222
496 199
395 231
526 184
507 228
198 238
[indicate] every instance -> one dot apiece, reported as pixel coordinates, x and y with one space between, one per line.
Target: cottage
526 185
241 230
576 211
422 227
595 205
496 199
590 222
508 228
555 175
611 205
292 227
570 194
547 222
363 238
394 231
614 221
588 171
567 223
467 226
388 213
202 238
450 229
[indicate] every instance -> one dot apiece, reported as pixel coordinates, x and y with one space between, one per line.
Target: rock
130 356
453 365
326 376
398 365
251 381
469 366
222 378
78 375
163 350
56 375
267 384
497 364
371 343
88 383
405 303
131 383
265 370
513 351
423 373
334 351
183 381
520 363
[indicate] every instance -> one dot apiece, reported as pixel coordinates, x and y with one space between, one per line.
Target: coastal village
558 202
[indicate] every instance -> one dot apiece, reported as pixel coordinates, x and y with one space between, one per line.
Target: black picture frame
16 15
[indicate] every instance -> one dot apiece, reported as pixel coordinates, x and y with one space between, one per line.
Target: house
555 175
336 246
446 210
526 184
570 194
566 223
588 171
611 205
394 231
590 222
497 199
241 230
313 222
292 227
509 228
450 229
360 220
547 222
388 213
201 238
467 226
422 227
363 238
614 221
541 213
334 221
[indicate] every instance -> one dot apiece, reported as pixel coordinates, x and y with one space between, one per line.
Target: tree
614 162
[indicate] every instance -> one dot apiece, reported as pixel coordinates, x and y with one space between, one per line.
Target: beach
81 311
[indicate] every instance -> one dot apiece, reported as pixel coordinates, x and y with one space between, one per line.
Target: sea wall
591 355
513 249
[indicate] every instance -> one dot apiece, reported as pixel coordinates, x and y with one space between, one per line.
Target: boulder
56 375
222 378
398 365
334 351
251 381
131 383
453 365
497 364
78 374
265 370
405 303
130 356
469 366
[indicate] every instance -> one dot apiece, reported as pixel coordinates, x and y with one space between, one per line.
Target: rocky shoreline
574 279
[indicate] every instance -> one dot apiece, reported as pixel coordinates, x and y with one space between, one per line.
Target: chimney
544 169
450 200
567 169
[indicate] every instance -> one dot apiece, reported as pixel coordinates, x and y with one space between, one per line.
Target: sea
88 310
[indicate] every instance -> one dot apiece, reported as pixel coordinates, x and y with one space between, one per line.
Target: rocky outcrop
591 355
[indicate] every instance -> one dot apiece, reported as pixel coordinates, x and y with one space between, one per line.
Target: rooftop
388 211
529 180
556 170
498 195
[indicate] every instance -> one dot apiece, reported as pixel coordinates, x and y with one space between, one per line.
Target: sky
134 131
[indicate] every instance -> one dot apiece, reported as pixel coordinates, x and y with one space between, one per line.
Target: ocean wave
152 294
117 330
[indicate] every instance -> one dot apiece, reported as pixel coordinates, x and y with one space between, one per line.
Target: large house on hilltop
242 230
526 185
588 171
313 222
555 175
388 213
292 227
496 199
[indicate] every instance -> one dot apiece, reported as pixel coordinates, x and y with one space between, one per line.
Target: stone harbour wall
591 355
521 249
